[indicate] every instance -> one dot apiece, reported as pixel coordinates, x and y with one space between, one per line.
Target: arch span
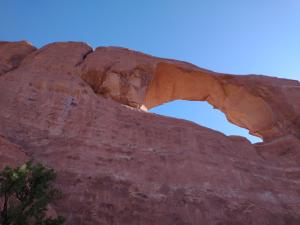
268 107
240 107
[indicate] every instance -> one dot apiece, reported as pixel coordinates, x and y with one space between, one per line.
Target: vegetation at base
25 193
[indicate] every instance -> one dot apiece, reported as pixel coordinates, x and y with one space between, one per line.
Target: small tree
25 193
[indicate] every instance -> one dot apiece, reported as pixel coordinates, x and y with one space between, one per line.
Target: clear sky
231 36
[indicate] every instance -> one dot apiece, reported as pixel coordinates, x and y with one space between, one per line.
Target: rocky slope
83 112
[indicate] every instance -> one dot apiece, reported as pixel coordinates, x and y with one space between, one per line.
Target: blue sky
231 36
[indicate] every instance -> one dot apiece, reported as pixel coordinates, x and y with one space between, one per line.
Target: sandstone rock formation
12 54
11 154
118 164
267 107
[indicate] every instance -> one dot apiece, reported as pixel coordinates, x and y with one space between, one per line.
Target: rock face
119 164
11 154
267 107
12 54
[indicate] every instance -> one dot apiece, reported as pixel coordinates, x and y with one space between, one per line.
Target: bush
25 193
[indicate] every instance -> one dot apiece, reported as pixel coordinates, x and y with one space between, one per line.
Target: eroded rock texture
12 54
267 107
11 154
118 164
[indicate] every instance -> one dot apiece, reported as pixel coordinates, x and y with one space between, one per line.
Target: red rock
12 54
270 107
239 139
11 154
118 164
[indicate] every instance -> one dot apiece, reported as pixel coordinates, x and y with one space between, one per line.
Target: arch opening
241 106
202 113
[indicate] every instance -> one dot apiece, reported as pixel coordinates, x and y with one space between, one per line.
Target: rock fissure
84 57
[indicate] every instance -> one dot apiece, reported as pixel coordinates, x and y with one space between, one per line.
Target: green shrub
25 193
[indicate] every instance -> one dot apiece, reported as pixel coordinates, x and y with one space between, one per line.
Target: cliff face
119 164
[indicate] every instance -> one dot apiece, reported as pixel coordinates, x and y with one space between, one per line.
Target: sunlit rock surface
118 164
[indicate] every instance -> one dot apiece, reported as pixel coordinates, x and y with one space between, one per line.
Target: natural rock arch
266 106
142 167
239 106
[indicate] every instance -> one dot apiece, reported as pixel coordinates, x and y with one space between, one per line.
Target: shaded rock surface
118 164
12 54
11 154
